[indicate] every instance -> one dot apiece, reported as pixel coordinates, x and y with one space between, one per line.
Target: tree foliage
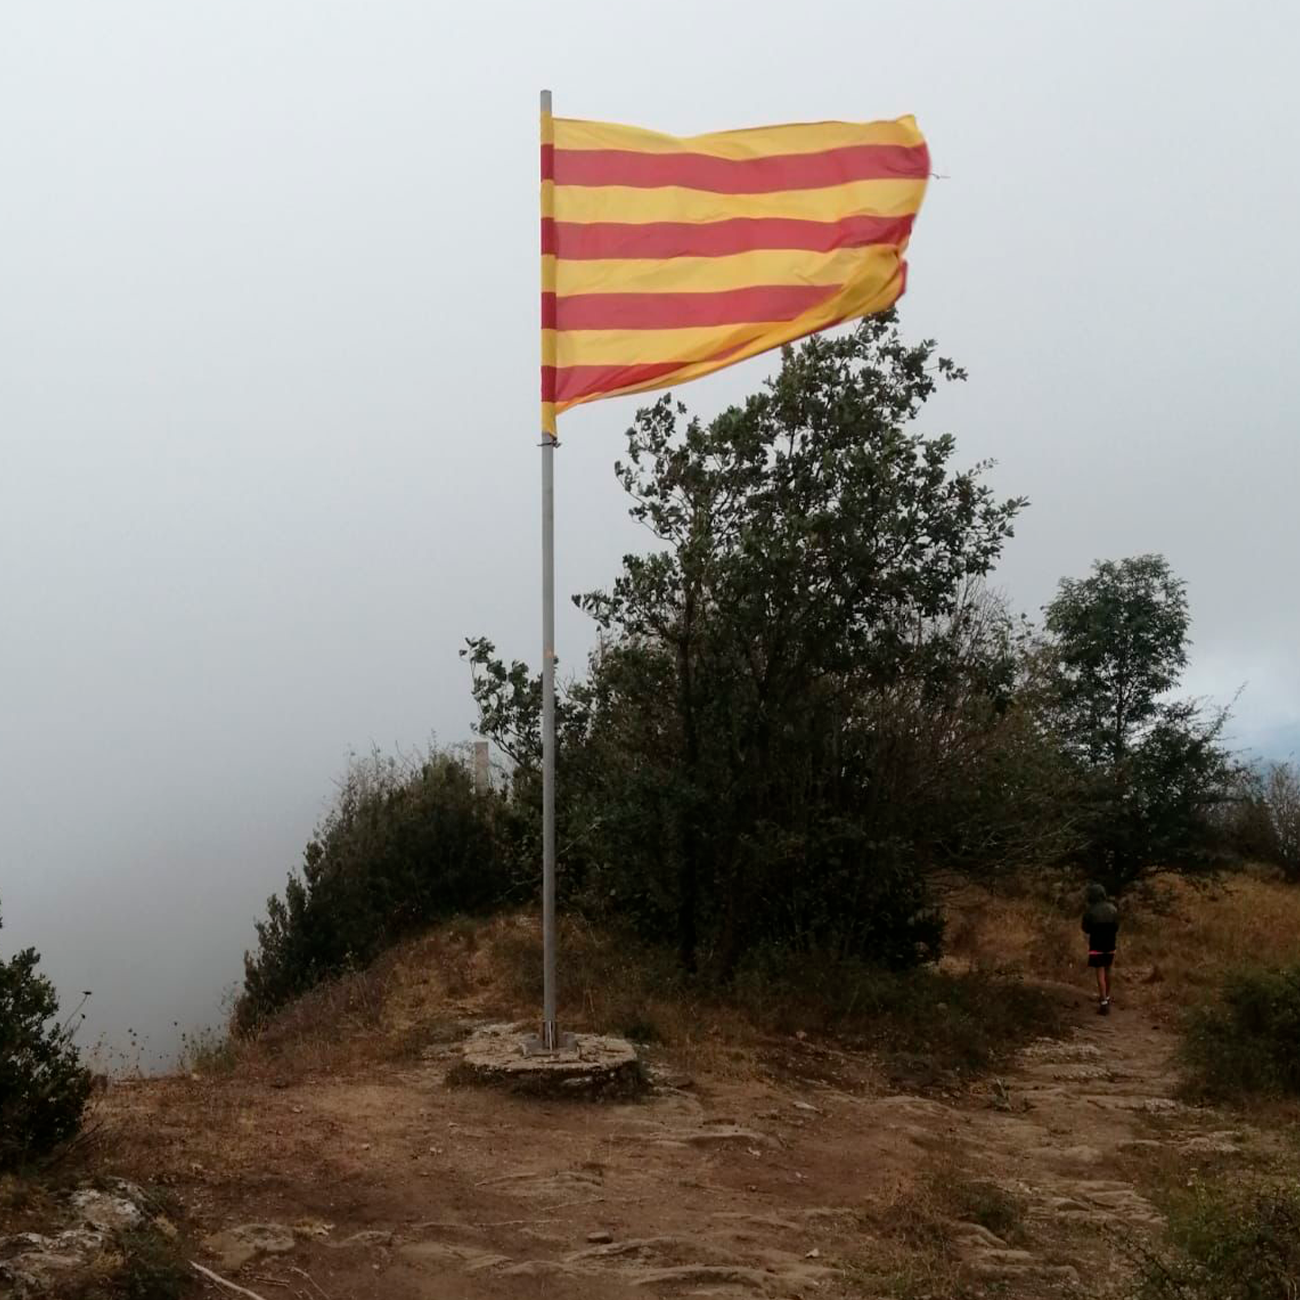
1281 795
1151 769
44 1087
803 701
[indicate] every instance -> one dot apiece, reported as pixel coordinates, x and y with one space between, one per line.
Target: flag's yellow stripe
638 347
856 300
626 203
634 347
717 274
814 137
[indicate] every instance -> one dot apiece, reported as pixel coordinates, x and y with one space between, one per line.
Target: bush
404 845
1230 1243
1247 1042
44 1087
923 1023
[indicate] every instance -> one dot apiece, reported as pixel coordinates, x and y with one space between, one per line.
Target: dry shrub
957 1022
911 1233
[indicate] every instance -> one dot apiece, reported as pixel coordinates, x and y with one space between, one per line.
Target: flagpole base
550 1041
593 1067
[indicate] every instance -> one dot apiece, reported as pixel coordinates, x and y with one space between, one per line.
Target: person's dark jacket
1100 920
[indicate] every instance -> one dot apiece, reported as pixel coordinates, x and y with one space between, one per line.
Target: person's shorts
1101 958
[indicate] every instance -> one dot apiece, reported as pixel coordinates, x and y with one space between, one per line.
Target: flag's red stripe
572 382
587 241
666 311
764 175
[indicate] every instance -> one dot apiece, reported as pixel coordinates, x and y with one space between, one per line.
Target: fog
268 384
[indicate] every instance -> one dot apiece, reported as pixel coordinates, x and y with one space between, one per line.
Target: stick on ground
221 1281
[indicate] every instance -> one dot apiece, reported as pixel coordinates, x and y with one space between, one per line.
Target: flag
665 259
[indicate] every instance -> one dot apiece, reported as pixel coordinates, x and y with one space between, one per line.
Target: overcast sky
268 381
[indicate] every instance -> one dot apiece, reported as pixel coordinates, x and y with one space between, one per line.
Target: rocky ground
812 1181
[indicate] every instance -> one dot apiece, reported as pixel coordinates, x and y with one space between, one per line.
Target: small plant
988 1204
141 1263
44 1087
152 1267
1247 1042
207 1052
1229 1243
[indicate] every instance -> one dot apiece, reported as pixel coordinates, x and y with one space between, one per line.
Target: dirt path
399 1187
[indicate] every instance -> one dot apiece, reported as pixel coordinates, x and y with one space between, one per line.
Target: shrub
1247 1042
923 1023
1230 1243
44 1087
405 844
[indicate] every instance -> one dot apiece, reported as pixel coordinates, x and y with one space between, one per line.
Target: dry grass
423 989
910 1252
791 1018
1175 944
1176 941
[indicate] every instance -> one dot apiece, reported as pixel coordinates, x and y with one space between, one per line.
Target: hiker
1101 925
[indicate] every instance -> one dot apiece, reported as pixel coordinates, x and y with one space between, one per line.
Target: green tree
1152 771
800 690
44 1087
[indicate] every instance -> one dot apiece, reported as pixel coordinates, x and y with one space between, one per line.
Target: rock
36 1264
536 1268
1211 1144
718 1135
236 1246
312 1228
600 1238
803 1105
1140 1144
109 1211
364 1240
1081 1155
40 1262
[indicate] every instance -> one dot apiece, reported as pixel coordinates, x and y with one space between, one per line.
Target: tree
1151 768
44 1087
1282 798
797 691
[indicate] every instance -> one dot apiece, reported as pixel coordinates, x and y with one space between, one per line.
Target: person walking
1101 925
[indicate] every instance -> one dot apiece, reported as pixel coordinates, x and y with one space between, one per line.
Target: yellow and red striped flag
665 259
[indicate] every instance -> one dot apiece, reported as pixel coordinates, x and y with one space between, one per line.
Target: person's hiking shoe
1103 1007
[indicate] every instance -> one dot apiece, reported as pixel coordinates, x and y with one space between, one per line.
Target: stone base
593 1066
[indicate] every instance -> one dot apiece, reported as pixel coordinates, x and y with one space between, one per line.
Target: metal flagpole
550 1039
